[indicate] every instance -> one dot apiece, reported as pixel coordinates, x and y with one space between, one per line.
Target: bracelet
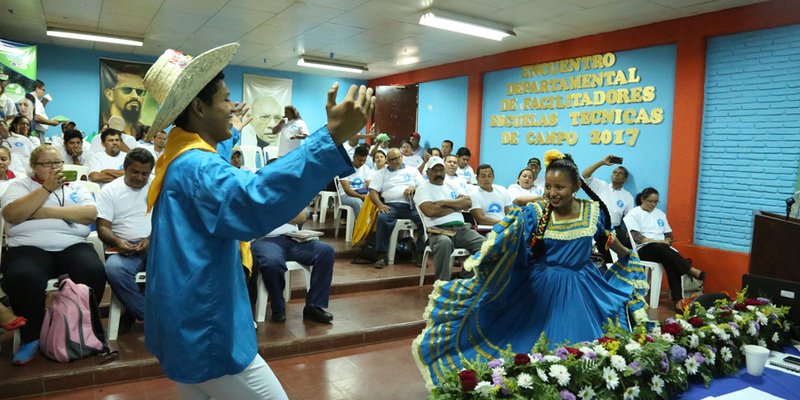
48 190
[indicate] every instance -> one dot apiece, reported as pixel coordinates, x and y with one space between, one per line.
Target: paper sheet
745 394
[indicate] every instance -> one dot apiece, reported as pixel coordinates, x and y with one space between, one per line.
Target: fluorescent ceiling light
464 24
313 62
92 37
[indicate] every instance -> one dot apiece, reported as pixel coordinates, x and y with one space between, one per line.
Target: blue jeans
121 271
270 256
353 202
386 223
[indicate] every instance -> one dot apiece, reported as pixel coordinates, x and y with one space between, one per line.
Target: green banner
18 61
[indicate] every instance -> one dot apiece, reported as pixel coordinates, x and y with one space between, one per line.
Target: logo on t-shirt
74 197
620 204
453 195
357 183
120 167
18 144
660 222
494 208
406 178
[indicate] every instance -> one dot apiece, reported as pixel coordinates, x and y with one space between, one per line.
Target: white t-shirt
101 161
468 174
4 185
652 224
152 149
291 128
358 180
20 147
39 109
49 234
7 106
58 143
392 184
412 160
618 202
492 203
515 190
97 143
458 181
126 209
428 192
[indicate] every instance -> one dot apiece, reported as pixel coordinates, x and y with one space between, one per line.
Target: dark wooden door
396 111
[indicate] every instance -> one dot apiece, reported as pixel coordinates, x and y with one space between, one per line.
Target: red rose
575 352
740 307
648 338
753 302
726 313
469 379
522 359
696 322
606 339
673 329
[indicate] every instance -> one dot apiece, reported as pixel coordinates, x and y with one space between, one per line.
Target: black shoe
126 321
317 314
381 263
278 316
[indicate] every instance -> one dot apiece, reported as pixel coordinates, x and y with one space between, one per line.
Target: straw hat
116 122
176 78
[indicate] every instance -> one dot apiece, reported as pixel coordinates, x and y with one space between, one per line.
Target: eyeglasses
128 90
394 158
50 164
653 202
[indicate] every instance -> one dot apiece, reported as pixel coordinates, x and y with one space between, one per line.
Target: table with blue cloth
773 381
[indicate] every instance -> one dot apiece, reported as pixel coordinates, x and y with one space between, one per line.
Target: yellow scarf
179 142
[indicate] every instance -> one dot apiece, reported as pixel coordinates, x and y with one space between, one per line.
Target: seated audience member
653 236
47 229
21 125
158 140
270 255
618 200
378 161
127 142
236 157
30 107
7 107
356 186
351 144
464 169
6 174
18 146
391 190
434 152
490 203
106 166
447 148
524 191
123 224
451 176
441 205
74 150
67 126
381 143
535 165
413 140
410 159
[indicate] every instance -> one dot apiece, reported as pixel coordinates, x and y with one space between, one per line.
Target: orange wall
690 34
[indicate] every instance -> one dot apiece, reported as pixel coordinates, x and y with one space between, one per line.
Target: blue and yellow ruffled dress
513 297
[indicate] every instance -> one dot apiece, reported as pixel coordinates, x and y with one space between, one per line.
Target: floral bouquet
628 365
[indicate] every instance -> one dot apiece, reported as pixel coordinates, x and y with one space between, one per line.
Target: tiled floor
379 371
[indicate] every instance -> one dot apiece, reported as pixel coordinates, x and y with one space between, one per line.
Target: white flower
691 365
586 350
734 331
499 370
701 334
762 342
709 314
600 350
611 378
762 319
775 337
550 358
787 327
534 360
656 331
541 375
737 317
711 358
631 393
483 388
726 354
667 337
751 329
618 363
560 373
657 384
633 347
685 325
751 308
525 381
694 341
587 393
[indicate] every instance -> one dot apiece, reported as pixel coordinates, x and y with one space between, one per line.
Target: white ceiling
383 34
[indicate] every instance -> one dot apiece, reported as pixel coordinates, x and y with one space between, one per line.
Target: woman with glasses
47 221
653 236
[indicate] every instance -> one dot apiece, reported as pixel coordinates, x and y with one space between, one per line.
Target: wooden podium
775 247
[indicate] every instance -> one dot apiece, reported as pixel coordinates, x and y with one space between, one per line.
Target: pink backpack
72 328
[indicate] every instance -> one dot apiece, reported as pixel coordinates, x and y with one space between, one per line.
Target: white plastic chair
92 187
321 205
400 226
253 157
83 171
457 252
337 214
656 271
116 310
263 296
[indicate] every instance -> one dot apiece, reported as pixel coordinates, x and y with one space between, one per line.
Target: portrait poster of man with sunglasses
122 93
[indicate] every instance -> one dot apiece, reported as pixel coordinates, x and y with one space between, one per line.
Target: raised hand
348 117
239 119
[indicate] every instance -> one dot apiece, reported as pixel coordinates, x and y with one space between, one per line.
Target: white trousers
256 382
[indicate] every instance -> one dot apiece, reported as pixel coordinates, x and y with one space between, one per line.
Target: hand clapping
348 117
